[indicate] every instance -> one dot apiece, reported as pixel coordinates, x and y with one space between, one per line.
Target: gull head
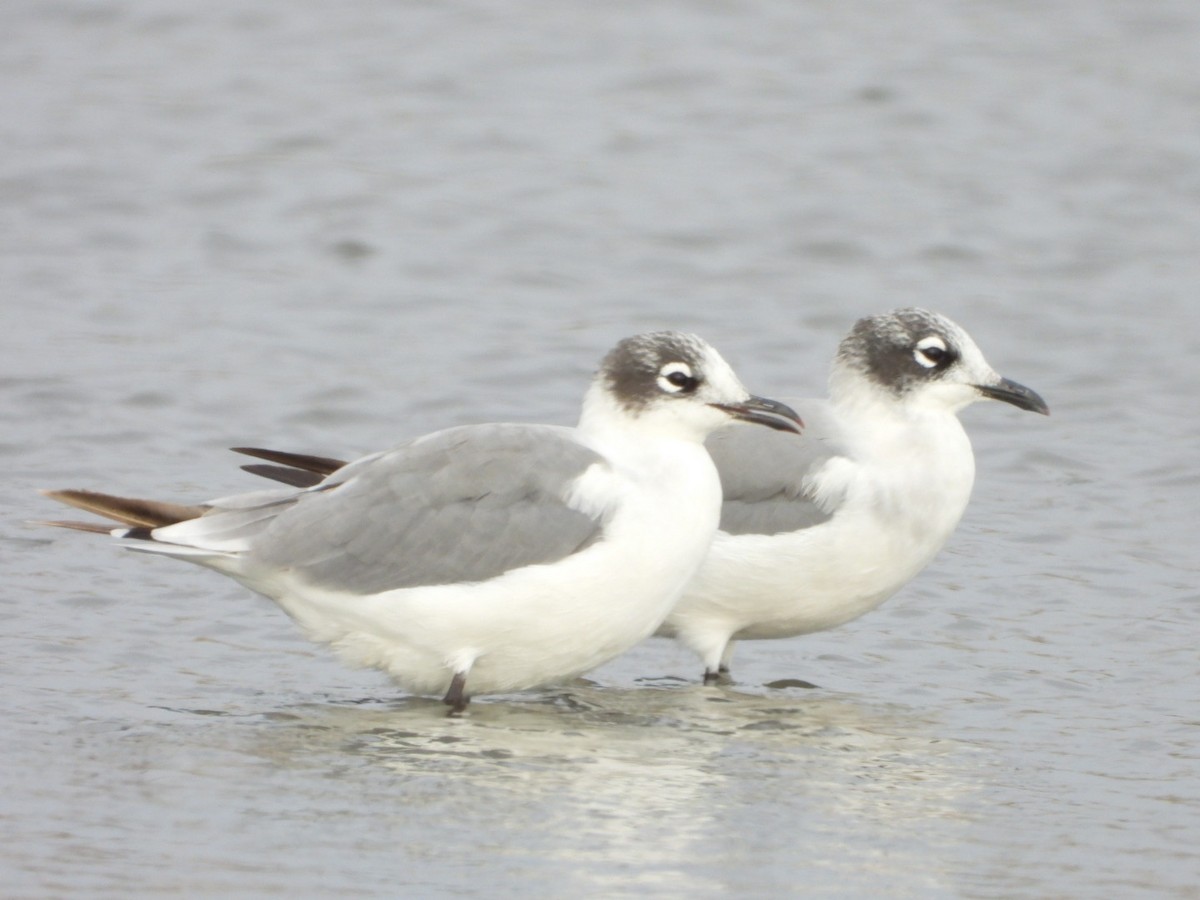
918 358
677 382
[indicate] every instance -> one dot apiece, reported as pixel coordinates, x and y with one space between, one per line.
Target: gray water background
328 227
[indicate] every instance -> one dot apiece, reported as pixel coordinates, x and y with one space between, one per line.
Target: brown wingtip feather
129 511
92 527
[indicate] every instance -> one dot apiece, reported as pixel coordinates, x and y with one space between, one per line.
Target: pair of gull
494 558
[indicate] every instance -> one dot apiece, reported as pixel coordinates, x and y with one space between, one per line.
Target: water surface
329 228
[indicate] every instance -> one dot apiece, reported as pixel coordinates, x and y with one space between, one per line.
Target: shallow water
328 228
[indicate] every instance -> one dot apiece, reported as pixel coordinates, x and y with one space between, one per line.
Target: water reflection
666 784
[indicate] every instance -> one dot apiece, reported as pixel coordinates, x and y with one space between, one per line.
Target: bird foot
721 676
456 697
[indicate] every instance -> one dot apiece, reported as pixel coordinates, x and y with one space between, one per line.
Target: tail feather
227 529
129 511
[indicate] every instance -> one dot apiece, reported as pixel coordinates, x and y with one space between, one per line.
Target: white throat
605 419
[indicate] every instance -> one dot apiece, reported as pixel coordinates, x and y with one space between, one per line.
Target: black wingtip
294 477
321 465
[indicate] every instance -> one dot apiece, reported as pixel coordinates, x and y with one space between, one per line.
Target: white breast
898 498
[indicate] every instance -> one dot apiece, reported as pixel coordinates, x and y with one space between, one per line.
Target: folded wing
766 475
465 504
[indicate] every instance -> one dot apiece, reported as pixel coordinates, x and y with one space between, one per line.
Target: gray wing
764 473
465 504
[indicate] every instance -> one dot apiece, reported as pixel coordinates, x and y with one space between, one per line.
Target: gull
820 529
486 558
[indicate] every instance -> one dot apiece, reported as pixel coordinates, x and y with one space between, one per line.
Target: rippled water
328 227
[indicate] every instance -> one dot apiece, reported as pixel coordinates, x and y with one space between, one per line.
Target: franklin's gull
486 558
820 529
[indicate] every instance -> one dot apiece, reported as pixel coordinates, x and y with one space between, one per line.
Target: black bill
1016 394
762 411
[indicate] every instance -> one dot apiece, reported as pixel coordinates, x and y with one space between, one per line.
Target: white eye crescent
930 351
677 378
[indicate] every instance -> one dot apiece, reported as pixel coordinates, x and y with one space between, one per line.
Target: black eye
677 378
934 354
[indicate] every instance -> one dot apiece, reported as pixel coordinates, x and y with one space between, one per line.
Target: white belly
536 624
